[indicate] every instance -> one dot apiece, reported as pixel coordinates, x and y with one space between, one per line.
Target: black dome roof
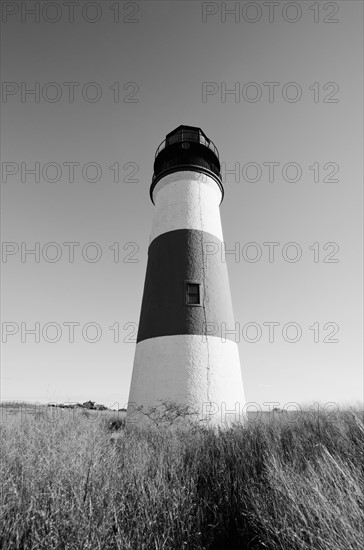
186 148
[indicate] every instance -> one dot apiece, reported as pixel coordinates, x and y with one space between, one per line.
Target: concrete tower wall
176 356
187 200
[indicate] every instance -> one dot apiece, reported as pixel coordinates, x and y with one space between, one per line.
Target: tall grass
291 484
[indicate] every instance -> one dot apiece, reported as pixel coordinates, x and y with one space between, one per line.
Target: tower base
200 373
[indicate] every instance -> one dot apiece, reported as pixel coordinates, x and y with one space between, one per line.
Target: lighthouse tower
185 352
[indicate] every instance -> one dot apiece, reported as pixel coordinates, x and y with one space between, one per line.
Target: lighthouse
186 351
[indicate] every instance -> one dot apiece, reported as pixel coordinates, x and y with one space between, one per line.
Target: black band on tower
174 258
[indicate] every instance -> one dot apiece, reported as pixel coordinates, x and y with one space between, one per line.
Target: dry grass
283 485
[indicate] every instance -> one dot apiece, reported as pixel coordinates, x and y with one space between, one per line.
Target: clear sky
111 79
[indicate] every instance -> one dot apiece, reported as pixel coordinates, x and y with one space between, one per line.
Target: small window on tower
193 294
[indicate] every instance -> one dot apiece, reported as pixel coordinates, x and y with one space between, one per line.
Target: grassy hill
287 484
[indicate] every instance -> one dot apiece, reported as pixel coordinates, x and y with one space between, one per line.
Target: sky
89 90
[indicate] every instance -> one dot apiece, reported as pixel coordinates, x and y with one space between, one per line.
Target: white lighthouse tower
184 352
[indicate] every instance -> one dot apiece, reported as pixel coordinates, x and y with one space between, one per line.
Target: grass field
288 484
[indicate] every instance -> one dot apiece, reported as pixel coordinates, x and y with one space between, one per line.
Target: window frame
187 294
